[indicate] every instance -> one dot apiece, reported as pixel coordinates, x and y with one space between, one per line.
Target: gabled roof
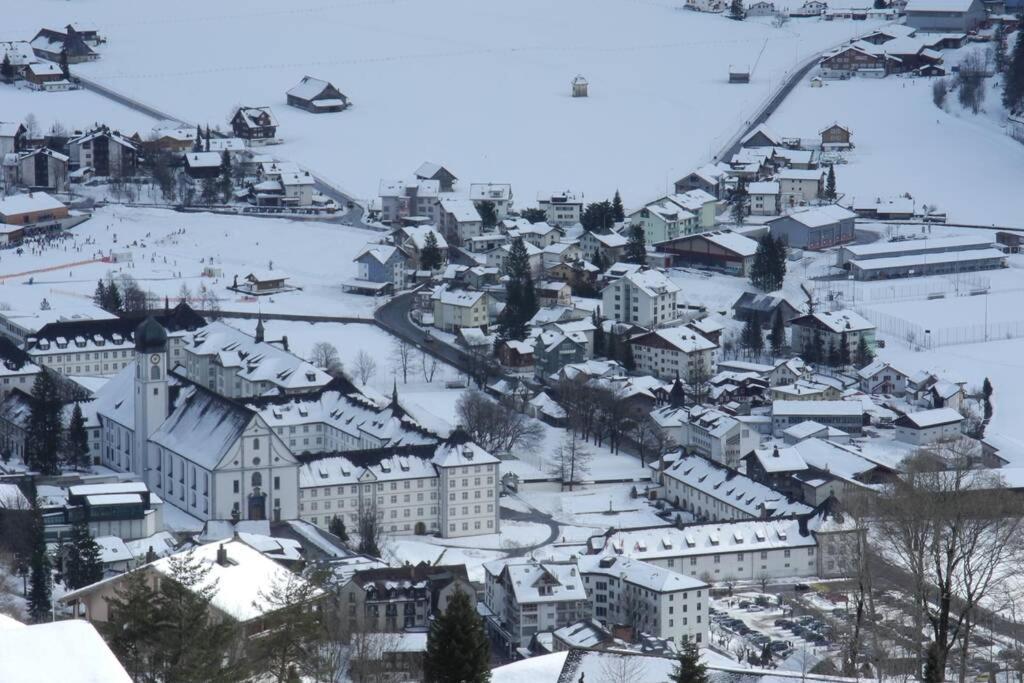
926 419
776 140
309 88
250 116
203 426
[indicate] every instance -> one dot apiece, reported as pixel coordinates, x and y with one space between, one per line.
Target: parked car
800 587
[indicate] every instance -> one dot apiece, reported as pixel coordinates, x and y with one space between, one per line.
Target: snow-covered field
966 166
315 256
479 85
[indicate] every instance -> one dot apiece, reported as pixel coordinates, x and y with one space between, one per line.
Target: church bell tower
151 400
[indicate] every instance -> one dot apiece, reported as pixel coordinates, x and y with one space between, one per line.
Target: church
202 452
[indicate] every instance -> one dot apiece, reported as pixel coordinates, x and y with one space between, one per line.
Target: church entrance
257 505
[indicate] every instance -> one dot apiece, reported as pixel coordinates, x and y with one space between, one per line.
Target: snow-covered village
519 341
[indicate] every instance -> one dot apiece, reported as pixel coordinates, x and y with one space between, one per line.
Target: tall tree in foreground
636 247
40 571
778 334
133 627
225 181
457 647
598 216
689 668
986 397
520 296
45 428
740 202
830 183
76 446
572 460
765 271
736 10
294 632
370 530
488 214
430 257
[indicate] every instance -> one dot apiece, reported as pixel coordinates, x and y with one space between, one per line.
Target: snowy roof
202 159
930 418
825 456
651 282
380 252
534 582
711 173
763 187
203 427
461 455
611 240
764 130
839 321
19 52
114 499
938 5
44 69
490 192
938 244
547 406
251 116
876 366
639 573
781 459
800 174
708 539
462 298
834 408
462 210
114 136
805 429
731 241
113 549
732 488
12 498
308 88
692 200
911 260
682 338
418 235
70 651
819 216
162 543
17 204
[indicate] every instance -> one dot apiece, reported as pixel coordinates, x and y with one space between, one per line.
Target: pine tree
618 212
636 247
457 648
40 571
750 332
534 215
628 361
207 146
520 298
82 565
779 263
844 350
430 257
45 427
756 336
198 146
830 183
193 643
1013 88
293 630
7 69
488 214
598 217
337 527
778 334
864 355
761 271
598 261
689 668
833 354
65 70
99 297
740 197
76 448
736 10
226 184
986 394
133 628
209 192
879 4
999 38
114 301
599 340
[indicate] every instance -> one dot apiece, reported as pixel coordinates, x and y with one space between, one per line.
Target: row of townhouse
527 597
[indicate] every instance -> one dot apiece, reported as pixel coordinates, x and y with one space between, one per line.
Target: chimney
284 342
775 452
222 556
150 555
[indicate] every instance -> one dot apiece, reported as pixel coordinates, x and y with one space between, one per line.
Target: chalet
45 76
553 350
49 44
810 8
498 194
764 306
721 249
929 426
18 54
174 140
834 329
835 136
581 275
880 377
861 59
199 165
254 124
40 169
317 96
815 228
515 354
761 136
381 264
945 16
106 152
12 138
761 8
707 178
553 293
431 171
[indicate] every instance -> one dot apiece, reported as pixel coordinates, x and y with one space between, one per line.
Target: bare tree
368 648
428 365
956 532
401 358
572 460
294 629
185 294
494 427
325 355
623 668
365 366
369 529
31 126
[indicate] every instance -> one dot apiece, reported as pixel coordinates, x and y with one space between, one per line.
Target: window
257 479
255 444
154 371
277 483
235 486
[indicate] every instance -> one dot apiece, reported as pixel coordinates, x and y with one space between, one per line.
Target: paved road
394 317
126 101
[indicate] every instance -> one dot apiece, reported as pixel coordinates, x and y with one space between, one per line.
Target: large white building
708 432
646 298
450 488
672 352
561 208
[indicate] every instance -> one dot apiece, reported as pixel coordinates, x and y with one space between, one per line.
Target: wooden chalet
317 96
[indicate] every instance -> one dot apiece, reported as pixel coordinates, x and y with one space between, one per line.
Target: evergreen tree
750 332
986 394
879 4
488 214
83 565
457 648
844 350
45 427
198 146
598 217
430 257
756 336
337 527
64 69
599 340
864 355
618 212
779 263
114 301
7 69
193 643
1001 58
1013 84
598 261
628 361
689 668
534 215
636 247
226 184
740 200
40 571
830 183
207 146
210 191
133 626
99 297
763 270
294 633
736 10
833 354
778 334
76 448
520 298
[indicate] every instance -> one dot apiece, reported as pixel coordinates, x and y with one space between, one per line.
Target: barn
723 249
317 96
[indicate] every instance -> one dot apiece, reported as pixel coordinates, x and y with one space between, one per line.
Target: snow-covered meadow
479 85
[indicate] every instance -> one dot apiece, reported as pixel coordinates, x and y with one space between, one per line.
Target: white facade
673 352
645 298
929 426
561 208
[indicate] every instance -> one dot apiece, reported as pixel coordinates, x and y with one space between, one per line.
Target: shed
579 87
739 74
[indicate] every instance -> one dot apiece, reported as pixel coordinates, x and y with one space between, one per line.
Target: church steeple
259 328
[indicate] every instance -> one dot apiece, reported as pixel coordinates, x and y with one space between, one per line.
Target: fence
851 292
919 337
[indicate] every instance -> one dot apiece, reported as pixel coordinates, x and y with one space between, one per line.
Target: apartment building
672 352
645 297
